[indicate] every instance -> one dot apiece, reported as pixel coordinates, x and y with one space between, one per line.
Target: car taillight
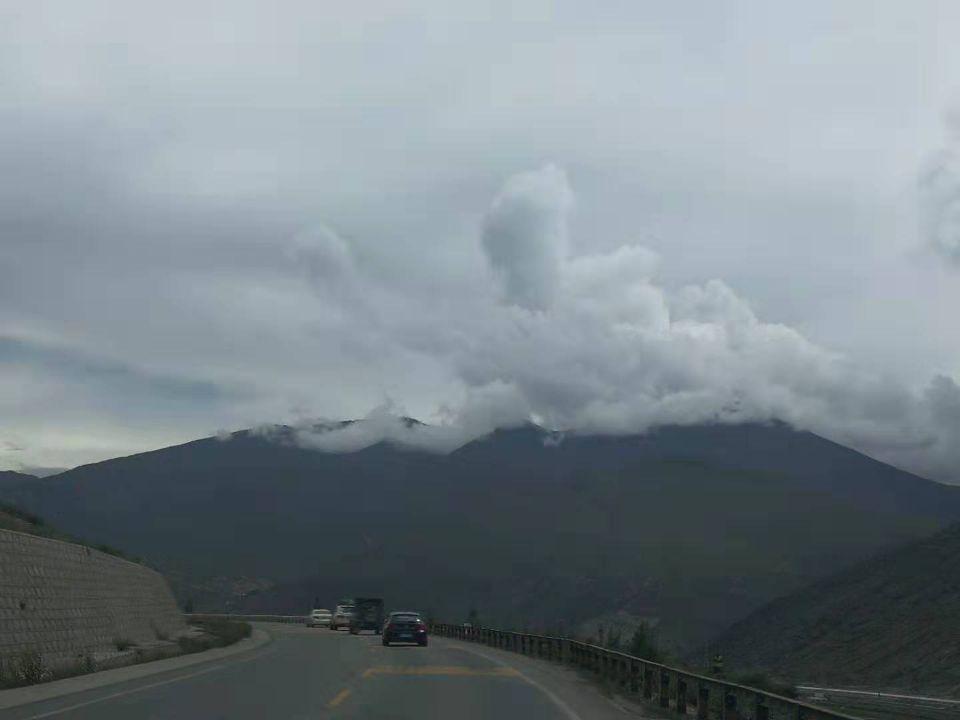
421 627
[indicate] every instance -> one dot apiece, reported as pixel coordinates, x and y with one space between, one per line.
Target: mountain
10 479
890 622
688 527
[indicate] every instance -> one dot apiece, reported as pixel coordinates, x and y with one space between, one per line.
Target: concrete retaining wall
68 602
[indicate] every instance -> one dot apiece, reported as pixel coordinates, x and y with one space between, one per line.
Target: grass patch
26 669
218 632
27 517
762 681
29 668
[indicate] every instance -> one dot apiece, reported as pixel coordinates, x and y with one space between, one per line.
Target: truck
367 615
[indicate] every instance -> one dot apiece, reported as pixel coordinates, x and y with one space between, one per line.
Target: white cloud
159 164
940 190
615 352
525 235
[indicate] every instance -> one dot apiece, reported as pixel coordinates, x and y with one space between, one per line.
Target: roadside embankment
70 609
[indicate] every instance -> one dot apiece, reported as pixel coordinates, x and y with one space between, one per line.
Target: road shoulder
81 683
576 697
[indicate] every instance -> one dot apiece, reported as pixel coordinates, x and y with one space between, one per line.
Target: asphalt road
881 705
316 673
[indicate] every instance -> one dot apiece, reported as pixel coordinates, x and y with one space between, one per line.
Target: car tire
386 643
377 632
422 643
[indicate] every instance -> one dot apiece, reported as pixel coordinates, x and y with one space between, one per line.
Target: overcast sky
217 215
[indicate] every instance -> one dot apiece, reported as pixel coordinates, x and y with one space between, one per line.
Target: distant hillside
693 527
20 520
13 518
10 479
891 623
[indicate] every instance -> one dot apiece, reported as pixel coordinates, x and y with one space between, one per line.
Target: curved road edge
575 696
81 683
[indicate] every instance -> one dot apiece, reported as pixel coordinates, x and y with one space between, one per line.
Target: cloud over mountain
216 220
598 346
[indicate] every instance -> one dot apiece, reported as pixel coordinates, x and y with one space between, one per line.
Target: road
881 705
315 673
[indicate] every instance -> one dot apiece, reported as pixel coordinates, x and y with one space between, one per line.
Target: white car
319 618
342 617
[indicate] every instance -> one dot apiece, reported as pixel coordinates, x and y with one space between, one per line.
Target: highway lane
881 705
315 673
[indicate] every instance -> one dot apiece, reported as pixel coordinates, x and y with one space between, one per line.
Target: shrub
762 681
224 631
194 644
218 632
642 644
16 512
122 644
29 669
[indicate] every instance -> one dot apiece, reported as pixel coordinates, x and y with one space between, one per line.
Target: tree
642 644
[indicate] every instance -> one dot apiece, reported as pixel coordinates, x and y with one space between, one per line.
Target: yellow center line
451 670
341 696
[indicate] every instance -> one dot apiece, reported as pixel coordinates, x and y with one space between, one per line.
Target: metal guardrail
294 619
706 698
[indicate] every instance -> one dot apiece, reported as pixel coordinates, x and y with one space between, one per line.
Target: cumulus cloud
160 177
485 409
601 347
525 235
940 187
940 195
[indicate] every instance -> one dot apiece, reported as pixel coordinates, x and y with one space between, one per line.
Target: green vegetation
218 632
16 518
763 681
19 514
642 644
26 669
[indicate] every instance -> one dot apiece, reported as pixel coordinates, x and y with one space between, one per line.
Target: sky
223 215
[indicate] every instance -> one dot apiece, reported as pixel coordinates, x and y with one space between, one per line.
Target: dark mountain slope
891 622
692 526
10 479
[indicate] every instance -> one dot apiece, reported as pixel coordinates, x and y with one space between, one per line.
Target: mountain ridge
691 527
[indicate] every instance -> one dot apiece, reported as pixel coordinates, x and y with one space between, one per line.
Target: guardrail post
761 712
703 703
647 683
681 696
729 704
664 689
